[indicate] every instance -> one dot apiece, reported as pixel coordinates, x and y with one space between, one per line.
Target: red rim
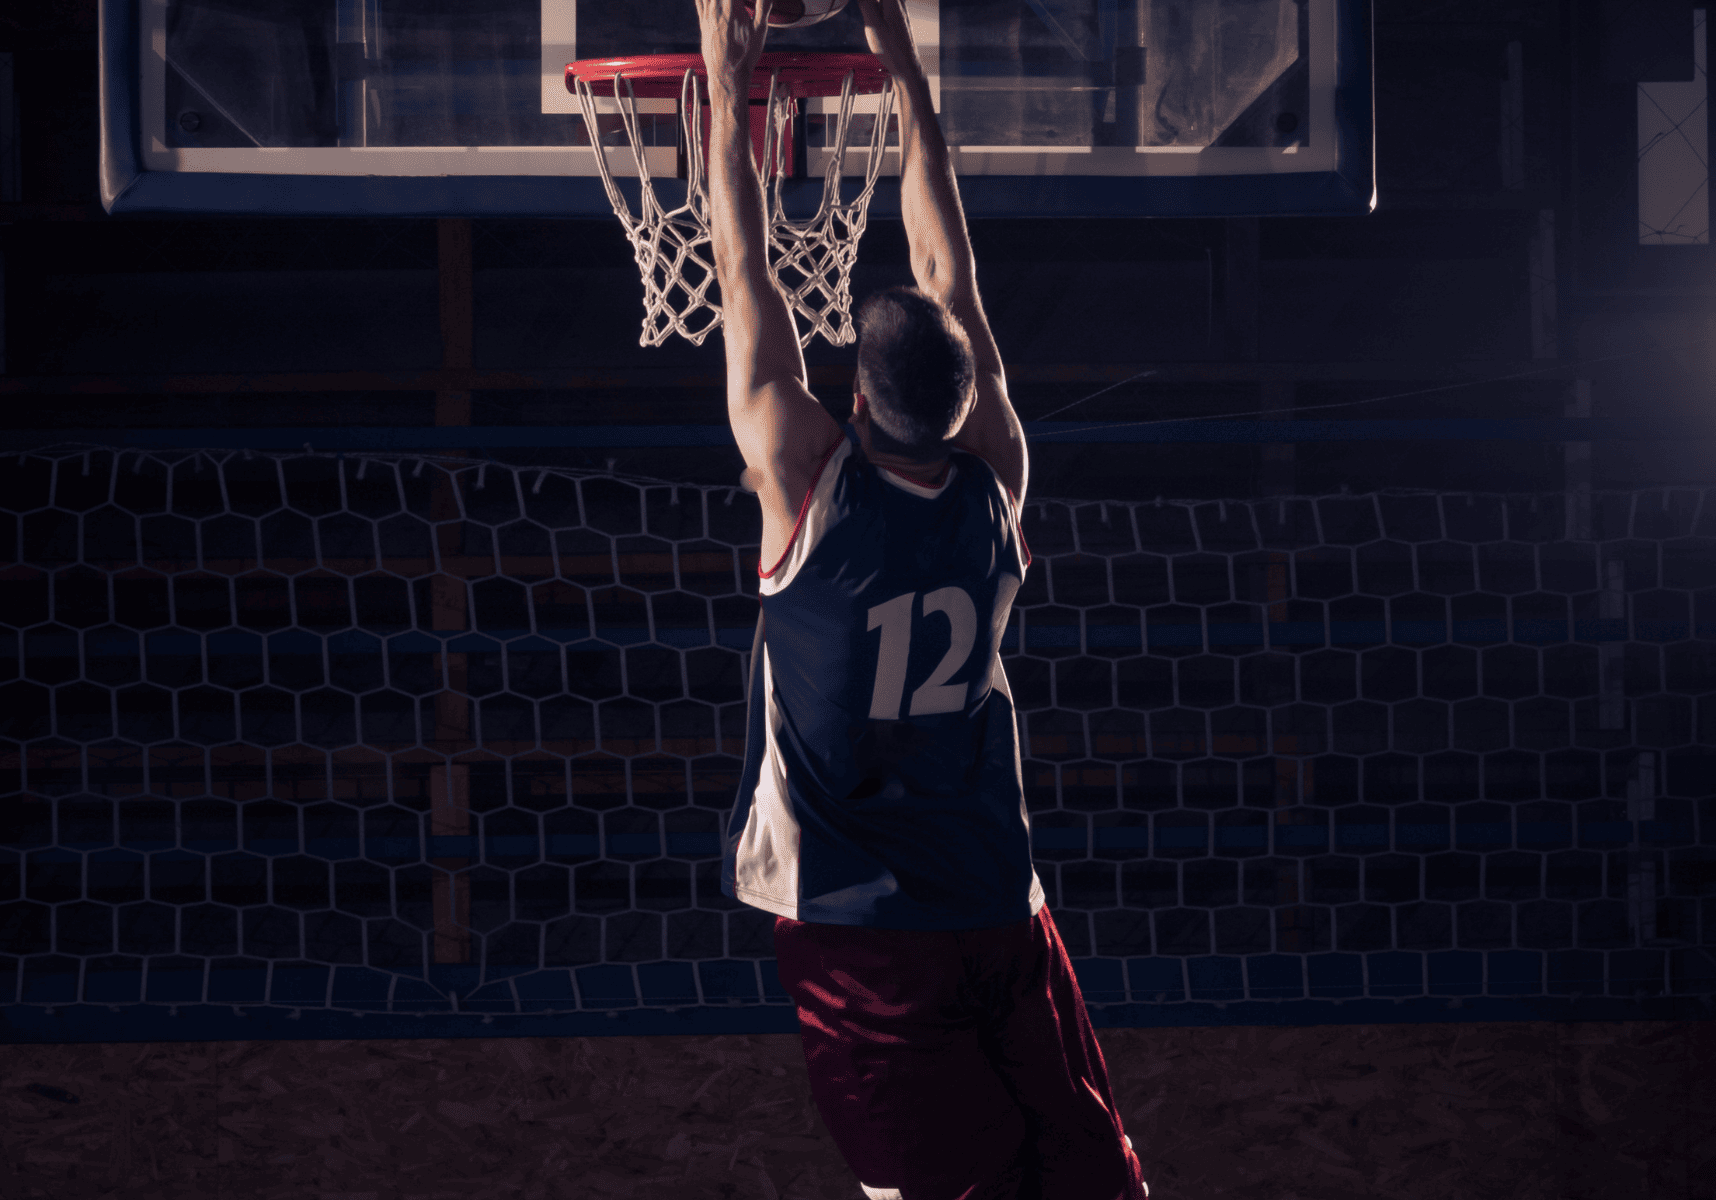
802 73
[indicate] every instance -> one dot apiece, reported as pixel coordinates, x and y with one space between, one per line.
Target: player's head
915 371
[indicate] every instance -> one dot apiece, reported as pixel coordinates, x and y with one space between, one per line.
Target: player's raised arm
940 246
778 424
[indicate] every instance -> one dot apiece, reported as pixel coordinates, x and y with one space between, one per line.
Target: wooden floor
1532 1111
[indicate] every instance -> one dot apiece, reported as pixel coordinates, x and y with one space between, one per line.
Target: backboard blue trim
128 188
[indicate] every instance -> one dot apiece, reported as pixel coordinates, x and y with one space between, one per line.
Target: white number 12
936 695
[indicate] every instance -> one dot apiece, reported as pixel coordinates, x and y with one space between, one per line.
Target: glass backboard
453 107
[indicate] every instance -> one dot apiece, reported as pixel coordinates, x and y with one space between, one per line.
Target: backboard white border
559 47
366 160
1321 155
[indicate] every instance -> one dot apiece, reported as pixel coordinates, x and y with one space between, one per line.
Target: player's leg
895 1065
1042 1045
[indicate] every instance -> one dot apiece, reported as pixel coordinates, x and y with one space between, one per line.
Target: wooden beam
1278 461
453 403
1240 268
450 782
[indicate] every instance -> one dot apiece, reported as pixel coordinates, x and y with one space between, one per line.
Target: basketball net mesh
811 259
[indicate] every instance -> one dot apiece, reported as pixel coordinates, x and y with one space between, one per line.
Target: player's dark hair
914 369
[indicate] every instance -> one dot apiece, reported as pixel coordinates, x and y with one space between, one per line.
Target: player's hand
732 40
889 34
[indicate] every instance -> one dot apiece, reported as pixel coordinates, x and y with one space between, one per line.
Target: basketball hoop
811 259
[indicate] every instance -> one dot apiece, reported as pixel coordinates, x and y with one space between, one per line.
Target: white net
811 259
395 734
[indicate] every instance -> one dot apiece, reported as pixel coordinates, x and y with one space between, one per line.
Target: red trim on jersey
1018 511
802 509
923 483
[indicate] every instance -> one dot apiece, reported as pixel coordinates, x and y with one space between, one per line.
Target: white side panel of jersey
998 682
816 522
765 865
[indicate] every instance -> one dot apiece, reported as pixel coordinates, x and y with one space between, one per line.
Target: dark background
1238 315
138 321
1500 277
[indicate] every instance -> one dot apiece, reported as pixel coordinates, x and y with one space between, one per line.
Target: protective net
388 733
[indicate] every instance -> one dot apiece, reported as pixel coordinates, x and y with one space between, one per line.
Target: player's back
881 782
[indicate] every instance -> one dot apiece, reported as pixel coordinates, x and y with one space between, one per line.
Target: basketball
796 14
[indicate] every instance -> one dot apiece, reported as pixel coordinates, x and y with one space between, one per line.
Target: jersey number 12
936 695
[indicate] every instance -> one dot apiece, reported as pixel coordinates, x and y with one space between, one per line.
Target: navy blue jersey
882 783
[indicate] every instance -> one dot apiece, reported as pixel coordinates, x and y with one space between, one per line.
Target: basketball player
881 812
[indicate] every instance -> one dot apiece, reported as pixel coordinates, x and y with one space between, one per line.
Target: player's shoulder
983 474
992 432
819 463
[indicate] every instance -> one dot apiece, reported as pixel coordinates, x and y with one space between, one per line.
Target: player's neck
929 473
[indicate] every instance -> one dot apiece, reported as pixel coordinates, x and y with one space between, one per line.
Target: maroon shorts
957 1065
